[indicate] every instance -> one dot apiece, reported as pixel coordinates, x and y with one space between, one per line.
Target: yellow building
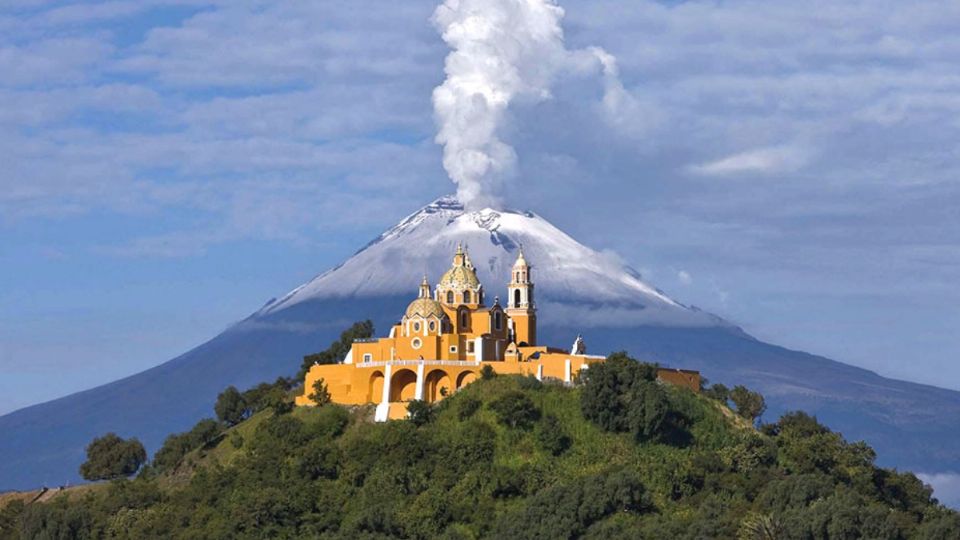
445 338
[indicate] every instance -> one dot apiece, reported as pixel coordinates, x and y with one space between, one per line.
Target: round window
416 343
416 327
433 326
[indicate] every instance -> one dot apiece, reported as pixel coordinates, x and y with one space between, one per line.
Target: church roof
462 274
425 307
460 277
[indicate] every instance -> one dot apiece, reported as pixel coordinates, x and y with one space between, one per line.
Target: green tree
750 405
647 409
718 392
175 447
320 395
607 390
338 349
110 457
487 372
420 412
551 435
468 406
516 410
231 407
760 527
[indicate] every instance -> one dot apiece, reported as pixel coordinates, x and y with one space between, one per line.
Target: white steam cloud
502 51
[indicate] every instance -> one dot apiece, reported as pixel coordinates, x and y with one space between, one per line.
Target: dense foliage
619 456
111 457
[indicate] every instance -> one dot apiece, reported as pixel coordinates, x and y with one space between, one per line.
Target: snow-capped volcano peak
572 280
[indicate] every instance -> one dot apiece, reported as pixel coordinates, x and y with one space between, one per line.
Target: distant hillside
512 458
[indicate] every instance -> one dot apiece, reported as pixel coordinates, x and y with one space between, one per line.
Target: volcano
580 291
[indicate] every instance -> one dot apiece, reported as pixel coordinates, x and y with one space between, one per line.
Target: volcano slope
579 290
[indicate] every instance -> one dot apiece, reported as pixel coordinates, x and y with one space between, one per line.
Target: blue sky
167 166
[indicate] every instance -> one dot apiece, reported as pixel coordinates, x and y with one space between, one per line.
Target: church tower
520 306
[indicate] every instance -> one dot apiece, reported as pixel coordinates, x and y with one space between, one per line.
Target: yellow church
446 336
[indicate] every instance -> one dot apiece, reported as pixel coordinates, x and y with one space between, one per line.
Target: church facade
446 337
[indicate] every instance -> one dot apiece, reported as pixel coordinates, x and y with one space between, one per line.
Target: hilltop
511 457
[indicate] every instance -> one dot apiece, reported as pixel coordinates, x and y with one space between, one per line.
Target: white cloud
774 159
946 487
684 277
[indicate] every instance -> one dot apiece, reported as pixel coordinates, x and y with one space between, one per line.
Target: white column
387 376
419 392
566 371
383 408
478 350
540 372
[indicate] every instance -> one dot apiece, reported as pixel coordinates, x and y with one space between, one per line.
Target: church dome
425 307
460 277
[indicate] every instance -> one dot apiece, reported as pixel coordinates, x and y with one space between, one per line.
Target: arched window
466 297
449 297
516 298
497 320
464 320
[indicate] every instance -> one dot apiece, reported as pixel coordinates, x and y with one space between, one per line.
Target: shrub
204 433
320 395
551 436
566 511
420 412
467 407
487 372
111 457
529 382
516 410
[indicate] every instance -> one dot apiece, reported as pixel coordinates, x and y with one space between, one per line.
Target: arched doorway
436 384
375 389
403 386
465 378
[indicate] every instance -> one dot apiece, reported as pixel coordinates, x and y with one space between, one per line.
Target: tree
551 436
320 395
750 405
647 410
231 407
718 392
487 372
421 412
608 390
110 457
516 410
756 526
338 349
176 446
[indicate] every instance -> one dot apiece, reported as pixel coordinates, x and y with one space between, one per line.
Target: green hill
619 456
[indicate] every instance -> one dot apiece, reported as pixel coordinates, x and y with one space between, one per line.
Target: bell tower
520 306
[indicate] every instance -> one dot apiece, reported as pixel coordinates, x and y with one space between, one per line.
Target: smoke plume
502 51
